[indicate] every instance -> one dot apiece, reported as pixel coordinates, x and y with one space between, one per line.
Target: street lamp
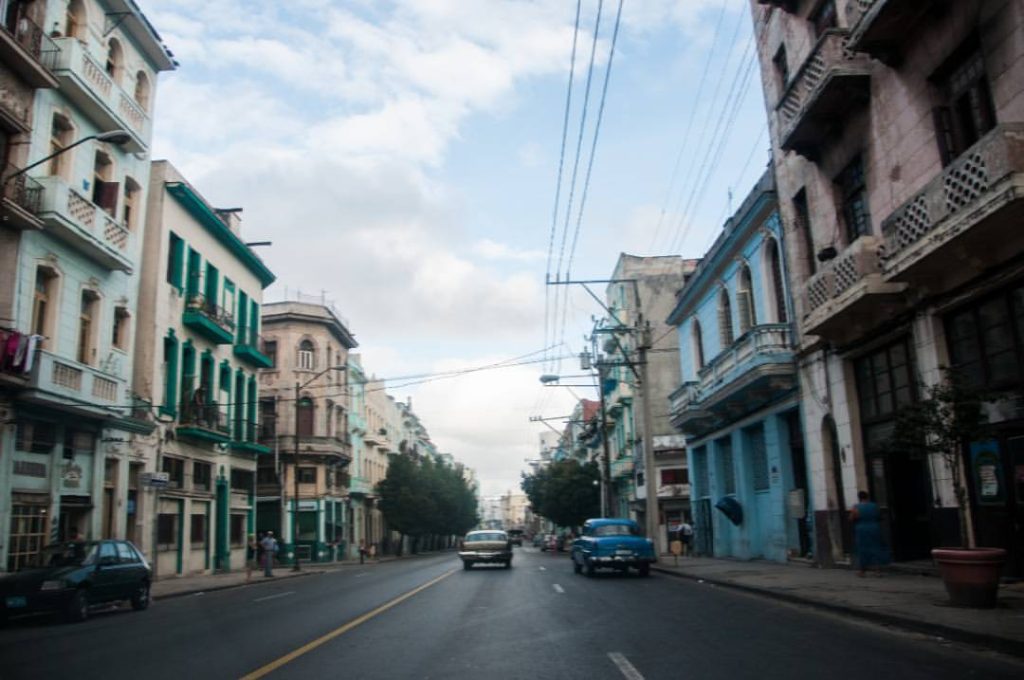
118 137
295 471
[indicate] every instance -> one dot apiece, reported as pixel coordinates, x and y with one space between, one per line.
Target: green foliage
421 497
566 492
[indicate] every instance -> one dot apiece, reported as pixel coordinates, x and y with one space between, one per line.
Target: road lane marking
341 630
271 597
542 568
558 588
628 670
362 574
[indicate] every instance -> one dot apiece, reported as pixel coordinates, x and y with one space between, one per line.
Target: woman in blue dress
867 535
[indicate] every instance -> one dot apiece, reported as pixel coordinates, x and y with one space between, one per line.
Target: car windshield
489 536
69 554
616 530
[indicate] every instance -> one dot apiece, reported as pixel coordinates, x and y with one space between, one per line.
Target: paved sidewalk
914 602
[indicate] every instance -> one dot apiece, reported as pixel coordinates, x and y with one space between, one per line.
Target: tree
566 492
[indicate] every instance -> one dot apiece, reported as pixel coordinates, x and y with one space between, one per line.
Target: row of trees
425 499
566 492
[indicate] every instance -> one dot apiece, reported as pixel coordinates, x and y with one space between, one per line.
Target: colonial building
197 354
66 463
896 135
306 405
738 402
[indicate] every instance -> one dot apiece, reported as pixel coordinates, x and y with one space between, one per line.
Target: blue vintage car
612 544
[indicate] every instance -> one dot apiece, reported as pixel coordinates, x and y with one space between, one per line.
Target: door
703 539
106 584
996 485
900 484
759 524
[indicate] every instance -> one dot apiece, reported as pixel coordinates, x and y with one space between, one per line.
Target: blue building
738 401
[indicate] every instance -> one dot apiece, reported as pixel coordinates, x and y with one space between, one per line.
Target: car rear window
616 530
489 536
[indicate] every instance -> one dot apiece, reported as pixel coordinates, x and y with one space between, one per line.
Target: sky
403 158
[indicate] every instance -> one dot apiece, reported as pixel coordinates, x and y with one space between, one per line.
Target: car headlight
53 585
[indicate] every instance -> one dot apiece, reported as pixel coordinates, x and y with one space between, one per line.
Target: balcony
30 53
831 82
70 386
86 83
203 422
85 226
848 296
205 317
674 491
881 28
335 449
622 468
756 370
248 438
251 348
22 199
965 220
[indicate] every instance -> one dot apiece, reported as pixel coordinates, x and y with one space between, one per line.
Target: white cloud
492 250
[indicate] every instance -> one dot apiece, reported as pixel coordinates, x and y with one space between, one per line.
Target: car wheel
508 564
140 600
589 567
577 568
78 607
467 565
645 569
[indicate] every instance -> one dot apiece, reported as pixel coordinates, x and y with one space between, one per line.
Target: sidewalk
908 601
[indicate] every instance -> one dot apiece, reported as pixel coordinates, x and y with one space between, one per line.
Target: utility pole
606 463
651 512
295 483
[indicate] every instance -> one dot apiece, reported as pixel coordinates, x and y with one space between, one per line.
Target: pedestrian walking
686 536
269 545
871 551
362 550
252 550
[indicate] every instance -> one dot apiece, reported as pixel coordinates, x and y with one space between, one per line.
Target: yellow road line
310 646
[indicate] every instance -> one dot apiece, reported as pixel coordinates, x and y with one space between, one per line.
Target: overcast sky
403 157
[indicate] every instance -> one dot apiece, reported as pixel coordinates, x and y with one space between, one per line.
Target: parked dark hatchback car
69 578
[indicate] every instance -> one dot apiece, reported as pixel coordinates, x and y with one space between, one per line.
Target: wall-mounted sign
987 473
156 480
307 505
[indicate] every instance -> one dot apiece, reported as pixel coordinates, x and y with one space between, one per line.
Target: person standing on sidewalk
269 545
867 535
686 536
362 550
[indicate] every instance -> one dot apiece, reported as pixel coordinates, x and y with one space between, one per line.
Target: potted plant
949 416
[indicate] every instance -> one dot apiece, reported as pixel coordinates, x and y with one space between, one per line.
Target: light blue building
738 402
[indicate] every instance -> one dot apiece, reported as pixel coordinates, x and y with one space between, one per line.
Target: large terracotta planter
971 575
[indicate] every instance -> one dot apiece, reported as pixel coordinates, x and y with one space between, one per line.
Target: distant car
73 576
486 546
612 544
516 536
538 541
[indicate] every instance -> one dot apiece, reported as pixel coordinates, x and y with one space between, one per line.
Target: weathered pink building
898 141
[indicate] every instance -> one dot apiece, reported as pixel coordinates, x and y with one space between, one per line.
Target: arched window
307 355
745 300
74 20
62 134
305 415
142 90
115 60
698 345
776 284
724 318
104 189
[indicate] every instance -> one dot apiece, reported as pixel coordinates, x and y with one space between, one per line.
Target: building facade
197 355
306 395
70 273
896 135
738 401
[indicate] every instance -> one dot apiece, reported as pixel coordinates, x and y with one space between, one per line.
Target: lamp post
295 465
118 137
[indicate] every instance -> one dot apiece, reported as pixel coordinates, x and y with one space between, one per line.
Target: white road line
271 597
628 670
558 588
542 568
364 573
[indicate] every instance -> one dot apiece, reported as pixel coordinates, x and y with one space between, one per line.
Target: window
115 60
307 475
212 285
777 283
201 475
242 480
175 469
131 203
305 424
119 334
884 385
78 443
35 436
854 200
166 531
270 351
237 530
29 533
675 476
803 226
986 341
727 473
88 317
266 475
758 457
724 319
700 468
307 355
194 275
61 136
745 300
698 344
125 554
175 260
781 67
44 304
170 374
104 190
228 303
823 17
197 532
74 20
966 112
142 90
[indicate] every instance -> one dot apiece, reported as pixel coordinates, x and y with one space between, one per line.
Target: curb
993 642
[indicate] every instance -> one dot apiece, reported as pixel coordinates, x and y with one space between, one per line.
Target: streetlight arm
329 368
114 137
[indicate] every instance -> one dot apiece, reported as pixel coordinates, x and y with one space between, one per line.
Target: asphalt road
427 618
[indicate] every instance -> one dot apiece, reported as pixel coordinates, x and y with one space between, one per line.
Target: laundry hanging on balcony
17 351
